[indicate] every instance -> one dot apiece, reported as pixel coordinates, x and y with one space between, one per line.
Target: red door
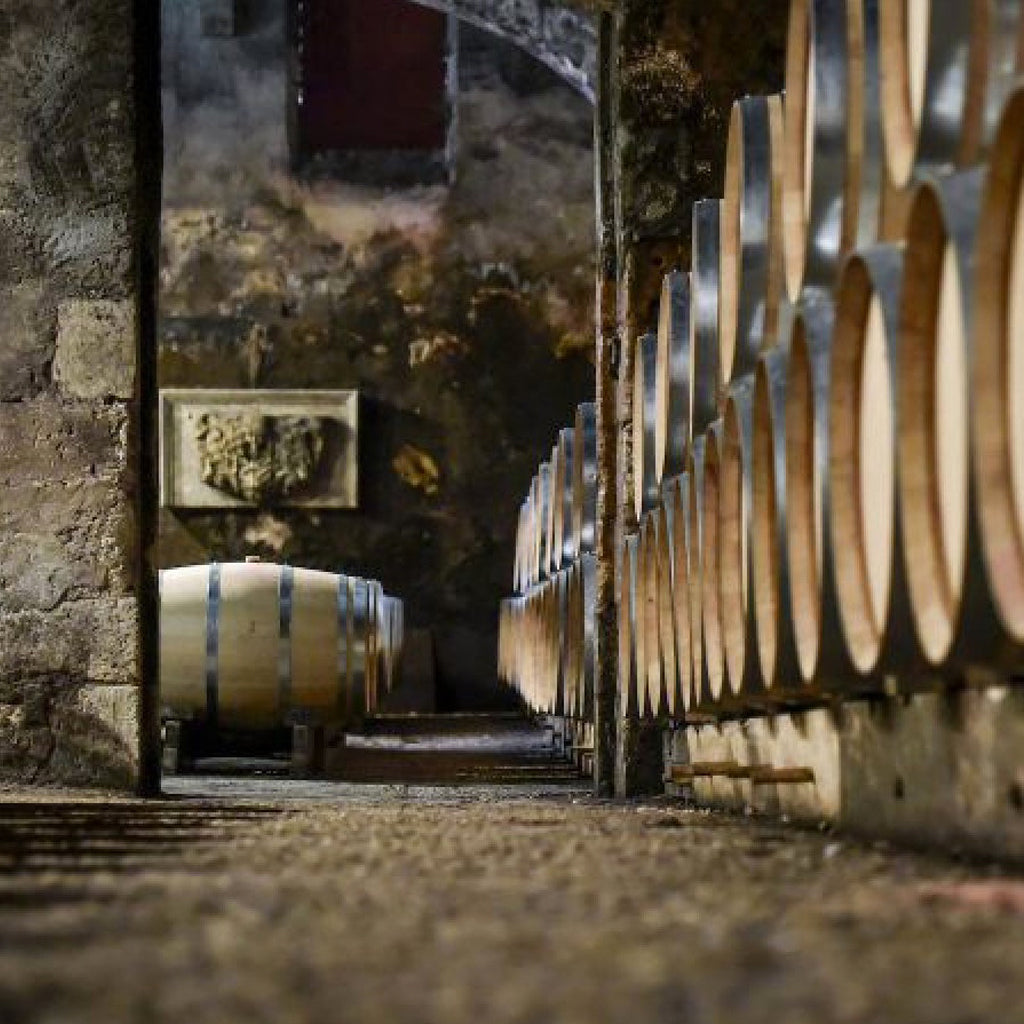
370 76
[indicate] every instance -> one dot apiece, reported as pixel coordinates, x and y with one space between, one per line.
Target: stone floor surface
278 901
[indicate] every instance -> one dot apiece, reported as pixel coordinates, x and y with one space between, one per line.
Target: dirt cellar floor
321 902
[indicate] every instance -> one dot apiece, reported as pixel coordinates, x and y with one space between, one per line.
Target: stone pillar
76 295
674 68
608 349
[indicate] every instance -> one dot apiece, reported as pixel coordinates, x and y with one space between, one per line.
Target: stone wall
463 316
70 317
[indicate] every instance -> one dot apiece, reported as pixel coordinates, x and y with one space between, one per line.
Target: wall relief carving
258 449
258 458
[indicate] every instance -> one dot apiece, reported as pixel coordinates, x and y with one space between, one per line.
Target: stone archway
560 37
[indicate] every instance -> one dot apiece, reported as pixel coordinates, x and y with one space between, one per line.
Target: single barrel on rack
254 646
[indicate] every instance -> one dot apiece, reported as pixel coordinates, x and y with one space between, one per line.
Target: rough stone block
96 736
83 533
27 329
85 735
36 571
91 641
47 441
96 348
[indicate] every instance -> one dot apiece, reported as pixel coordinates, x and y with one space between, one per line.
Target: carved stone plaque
258 449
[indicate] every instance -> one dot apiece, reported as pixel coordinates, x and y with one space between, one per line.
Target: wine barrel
543 663
947 68
648 649
560 637
572 641
507 628
517 554
998 385
510 660
752 278
564 541
708 490
520 580
555 479
397 654
645 483
252 646
676 503
385 666
695 524
874 602
821 652
361 627
664 605
541 508
875 208
530 540
519 655
953 607
536 517
705 313
776 641
373 679
736 593
536 605
539 668
629 655
584 480
588 650
995 63
672 378
391 629
818 85
657 646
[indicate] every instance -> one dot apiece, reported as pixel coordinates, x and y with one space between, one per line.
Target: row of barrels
880 94
257 646
546 644
558 515
828 424
546 629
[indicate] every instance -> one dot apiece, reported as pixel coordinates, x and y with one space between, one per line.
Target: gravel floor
273 901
